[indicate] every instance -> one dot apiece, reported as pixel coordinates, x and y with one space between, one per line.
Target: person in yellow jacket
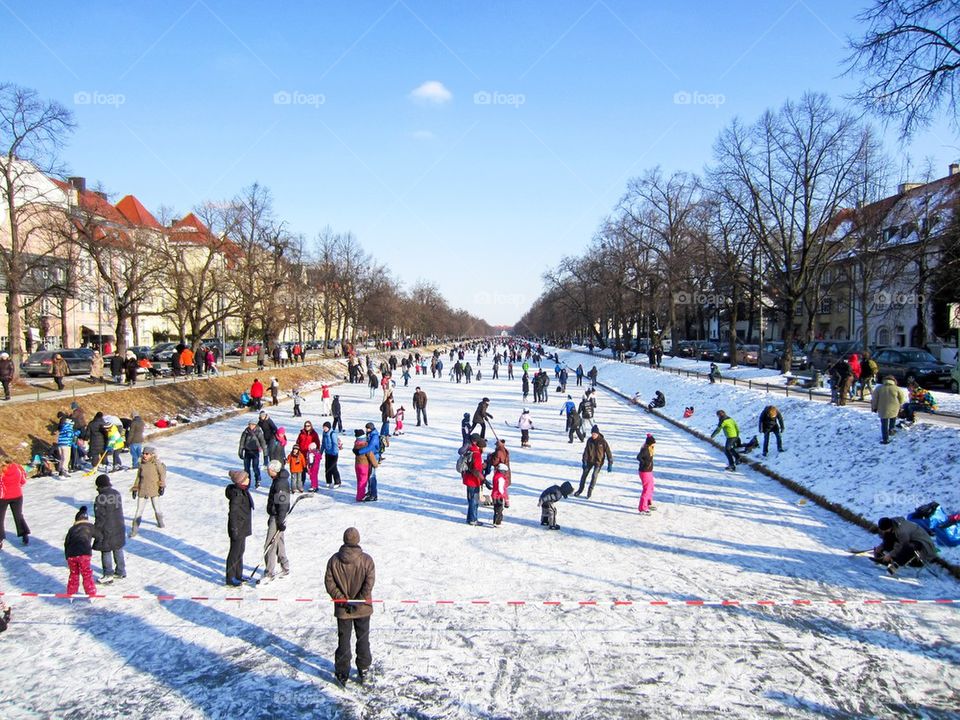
732 433
114 430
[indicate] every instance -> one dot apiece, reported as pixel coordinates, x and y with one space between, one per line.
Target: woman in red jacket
256 394
307 436
12 480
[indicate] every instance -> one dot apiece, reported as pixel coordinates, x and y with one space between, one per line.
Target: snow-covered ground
946 401
715 536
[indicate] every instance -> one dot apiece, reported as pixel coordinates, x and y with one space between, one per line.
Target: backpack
465 462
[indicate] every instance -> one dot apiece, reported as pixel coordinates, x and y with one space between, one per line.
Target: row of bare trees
770 228
240 266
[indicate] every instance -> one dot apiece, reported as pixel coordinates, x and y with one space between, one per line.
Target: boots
136 527
159 520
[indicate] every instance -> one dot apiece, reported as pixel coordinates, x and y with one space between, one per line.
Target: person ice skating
645 458
593 376
269 429
278 505
547 503
903 542
113 428
335 409
525 423
331 446
481 416
65 440
12 479
771 421
324 399
659 401
376 444
135 439
150 484
297 464
252 444
78 549
886 401
420 405
349 580
108 519
579 374
398 420
596 452
366 460
297 400
473 478
313 466
731 432
568 407
501 480
525 386
575 426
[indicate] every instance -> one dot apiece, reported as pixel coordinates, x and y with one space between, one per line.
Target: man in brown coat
150 484
350 576
59 369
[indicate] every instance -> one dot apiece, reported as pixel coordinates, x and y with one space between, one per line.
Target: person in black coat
269 429
548 498
335 410
116 367
108 512
78 547
239 523
903 542
771 421
278 505
6 374
96 439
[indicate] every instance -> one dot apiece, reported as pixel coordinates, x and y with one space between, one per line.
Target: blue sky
529 120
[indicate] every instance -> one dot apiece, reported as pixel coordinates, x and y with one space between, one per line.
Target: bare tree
796 169
32 132
909 55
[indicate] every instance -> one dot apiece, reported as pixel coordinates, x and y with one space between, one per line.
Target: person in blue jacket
373 445
568 408
330 444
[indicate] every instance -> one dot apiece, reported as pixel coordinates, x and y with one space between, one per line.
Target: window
889 233
883 336
826 306
799 310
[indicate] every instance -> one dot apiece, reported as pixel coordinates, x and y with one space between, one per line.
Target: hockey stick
273 540
853 551
96 466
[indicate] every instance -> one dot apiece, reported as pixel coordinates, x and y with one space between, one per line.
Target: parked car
141 351
690 348
748 354
41 363
822 354
163 352
710 352
771 355
911 363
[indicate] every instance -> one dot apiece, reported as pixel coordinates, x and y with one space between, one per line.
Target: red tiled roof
134 211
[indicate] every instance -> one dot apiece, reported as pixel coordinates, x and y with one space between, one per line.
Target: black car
910 363
41 363
163 352
772 351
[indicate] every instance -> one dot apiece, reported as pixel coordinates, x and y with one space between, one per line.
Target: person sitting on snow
714 373
659 401
902 542
688 412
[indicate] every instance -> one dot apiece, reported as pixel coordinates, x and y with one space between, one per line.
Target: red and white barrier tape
789 602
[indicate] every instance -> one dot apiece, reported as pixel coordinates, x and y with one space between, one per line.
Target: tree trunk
14 327
245 341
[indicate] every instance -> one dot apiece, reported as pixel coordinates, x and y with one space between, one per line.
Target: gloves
134 493
609 468
161 490
240 455
281 527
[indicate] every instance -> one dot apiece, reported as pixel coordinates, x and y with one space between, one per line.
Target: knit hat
275 466
150 449
103 481
595 429
252 421
237 477
650 439
370 426
486 400
885 524
358 433
351 536
81 513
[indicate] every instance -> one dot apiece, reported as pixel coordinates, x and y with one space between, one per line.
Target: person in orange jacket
297 464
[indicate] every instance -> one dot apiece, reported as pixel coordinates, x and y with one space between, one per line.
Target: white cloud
423 135
432 91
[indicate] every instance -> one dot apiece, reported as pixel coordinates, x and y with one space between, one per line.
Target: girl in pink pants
645 458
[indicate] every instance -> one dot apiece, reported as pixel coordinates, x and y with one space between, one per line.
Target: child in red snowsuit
78 548
399 418
501 480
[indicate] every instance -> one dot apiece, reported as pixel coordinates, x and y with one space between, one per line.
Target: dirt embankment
28 428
